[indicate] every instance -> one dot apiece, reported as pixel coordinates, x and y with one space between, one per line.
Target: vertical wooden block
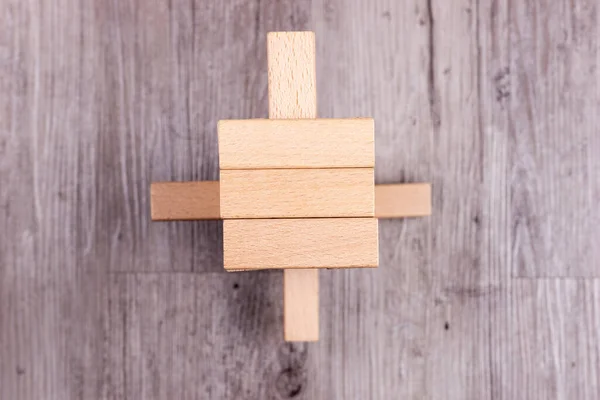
293 94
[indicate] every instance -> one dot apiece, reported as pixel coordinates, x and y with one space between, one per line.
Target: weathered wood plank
54 257
546 337
188 336
553 85
458 316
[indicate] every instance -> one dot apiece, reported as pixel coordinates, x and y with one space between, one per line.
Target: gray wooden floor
496 296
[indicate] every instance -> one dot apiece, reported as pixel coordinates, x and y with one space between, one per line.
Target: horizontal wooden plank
184 200
300 243
296 143
200 200
297 193
407 200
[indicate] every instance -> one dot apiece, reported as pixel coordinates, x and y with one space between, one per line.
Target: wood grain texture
300 143
54 223
297 193
300 297
554 143
408 200
300 243
171 201
101 98
546 340
292 75
184 200
459 333
167 326
292 93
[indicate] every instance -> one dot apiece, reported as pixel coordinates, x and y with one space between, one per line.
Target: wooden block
407 200
292 75
292 81
184 200
297 193
301 301
300 243
299 143
200 200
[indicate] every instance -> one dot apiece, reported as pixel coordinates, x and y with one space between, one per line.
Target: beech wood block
184 200
297 193
200 200
292 77
300 243
407 200
301 304
298 143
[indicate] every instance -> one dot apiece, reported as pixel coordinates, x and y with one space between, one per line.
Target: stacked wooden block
297 193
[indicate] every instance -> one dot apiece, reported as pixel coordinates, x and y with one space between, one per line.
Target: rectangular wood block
409 200
297 193
184 200
200 200
292 77
300 243
296 143
301 304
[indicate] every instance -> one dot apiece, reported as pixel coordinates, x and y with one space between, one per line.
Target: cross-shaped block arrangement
295 192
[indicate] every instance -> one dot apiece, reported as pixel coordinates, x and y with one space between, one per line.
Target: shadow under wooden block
296 143
252 244
297 193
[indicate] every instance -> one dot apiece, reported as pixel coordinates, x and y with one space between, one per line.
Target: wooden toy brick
200 200
299 143
297 193
184 200
408 200
292 78
300 243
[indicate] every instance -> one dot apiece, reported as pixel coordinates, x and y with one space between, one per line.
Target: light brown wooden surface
300 243
300 143
299 303
495 296
184 200
292 92
200 200
292 75
410 200
297 193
